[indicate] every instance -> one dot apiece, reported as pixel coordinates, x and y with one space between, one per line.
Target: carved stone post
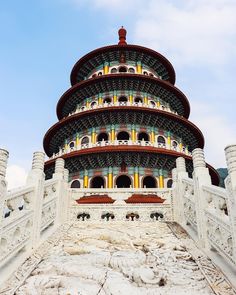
230 184
178 174
36 178
201 177
61 191
3 184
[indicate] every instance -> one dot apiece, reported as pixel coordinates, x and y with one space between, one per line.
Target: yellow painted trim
133 135
93 137
85 181
136 180
145 100
161 181
106 70
112 134
100 100
139 69
131 98
168 140
180 146
110 180
114 98
152 136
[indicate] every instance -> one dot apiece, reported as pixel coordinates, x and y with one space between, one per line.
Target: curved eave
134 149
111 82
108 111
122 48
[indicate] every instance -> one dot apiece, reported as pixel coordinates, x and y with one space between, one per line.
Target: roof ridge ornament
122 36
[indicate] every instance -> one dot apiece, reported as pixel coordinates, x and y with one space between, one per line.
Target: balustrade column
3 184
230 184
61 191
178 175
136 177
36 178
201 177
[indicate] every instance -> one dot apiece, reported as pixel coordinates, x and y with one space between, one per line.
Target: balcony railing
122 103
104 143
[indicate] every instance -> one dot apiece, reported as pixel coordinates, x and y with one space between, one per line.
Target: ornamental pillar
114 97
131 97
100 99
85 179
110 178
201 177
136 177
112 133
93 136
139 67
3 184
133 133
106 68
36 178
77 140
87 103
152 136
181 145
158 103
161 179
145 99
168 140
230 184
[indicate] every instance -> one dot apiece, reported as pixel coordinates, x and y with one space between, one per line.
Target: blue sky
41 41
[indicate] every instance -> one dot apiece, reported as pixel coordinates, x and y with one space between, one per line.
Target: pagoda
123 123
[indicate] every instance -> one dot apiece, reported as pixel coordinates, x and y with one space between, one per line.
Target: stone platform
123 258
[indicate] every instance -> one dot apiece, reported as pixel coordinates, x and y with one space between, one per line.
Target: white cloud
218 131
15 176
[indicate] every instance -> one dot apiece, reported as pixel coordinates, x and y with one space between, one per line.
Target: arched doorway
123 181
143 136
107 100
85 140
169 183
123 135
102 136
138 99
122 69
75 184
97 182
149 182
123 99
161 141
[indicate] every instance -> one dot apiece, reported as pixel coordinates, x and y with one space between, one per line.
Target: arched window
102 136
123 99
161 140
143 136
174 144
123 135
131 70
149 182
169 183
72 145
122 69
75 184
97 182
107 100
93 104
123 181
145 73
151 75
152 103
99 73
138 99
85 140
113 70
